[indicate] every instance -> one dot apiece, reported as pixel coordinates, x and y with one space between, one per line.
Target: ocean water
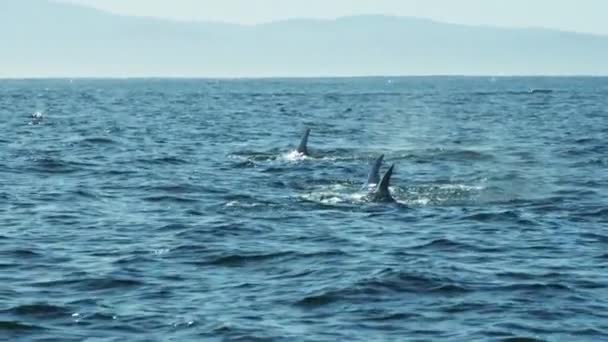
176 210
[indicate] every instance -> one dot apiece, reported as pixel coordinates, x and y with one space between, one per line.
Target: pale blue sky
573 15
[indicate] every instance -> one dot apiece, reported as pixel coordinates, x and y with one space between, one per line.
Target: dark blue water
157 210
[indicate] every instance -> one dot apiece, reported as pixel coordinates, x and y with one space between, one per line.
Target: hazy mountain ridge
42 38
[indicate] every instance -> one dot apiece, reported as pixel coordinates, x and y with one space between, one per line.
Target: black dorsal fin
382 192
303 147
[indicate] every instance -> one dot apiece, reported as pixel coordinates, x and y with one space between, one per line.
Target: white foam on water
239 204
293 156
336 194
461 187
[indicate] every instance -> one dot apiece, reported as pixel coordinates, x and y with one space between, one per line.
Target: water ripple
133 209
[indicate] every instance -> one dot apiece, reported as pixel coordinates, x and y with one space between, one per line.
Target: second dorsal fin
374 172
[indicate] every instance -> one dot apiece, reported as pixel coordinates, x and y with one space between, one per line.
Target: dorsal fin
303 148
382 192
374 172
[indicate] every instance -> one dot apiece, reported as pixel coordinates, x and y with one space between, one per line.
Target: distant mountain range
41 38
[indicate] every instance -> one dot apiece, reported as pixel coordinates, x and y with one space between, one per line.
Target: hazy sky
574 15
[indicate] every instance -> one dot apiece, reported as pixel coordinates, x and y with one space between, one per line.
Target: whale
303 147
381 193
373 177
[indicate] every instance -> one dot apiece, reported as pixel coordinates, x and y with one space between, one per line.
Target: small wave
194 212
98 141
238 260
91 284
596 332
329 253
331 297
444 244
53 165
96 316
245 205
22 254
600 213
247 164
84 193
592 162
245 201
275 169
39 310
111 283
179 188
253 157
172 227
191 249
399 316
586 140
465 306
518 275
457 155
223 229
491 217
521 339
387 281
175 199
415 283
164 160
540 91
487 93
6 265
513 92
119 172
534 287
132 259
595 237
589 284
11 327
63 218
318 300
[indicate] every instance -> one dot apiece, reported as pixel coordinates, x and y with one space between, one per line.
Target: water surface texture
157 210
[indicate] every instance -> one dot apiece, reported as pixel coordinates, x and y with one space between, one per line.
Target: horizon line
229 78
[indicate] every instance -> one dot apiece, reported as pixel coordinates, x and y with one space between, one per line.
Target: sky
571 15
